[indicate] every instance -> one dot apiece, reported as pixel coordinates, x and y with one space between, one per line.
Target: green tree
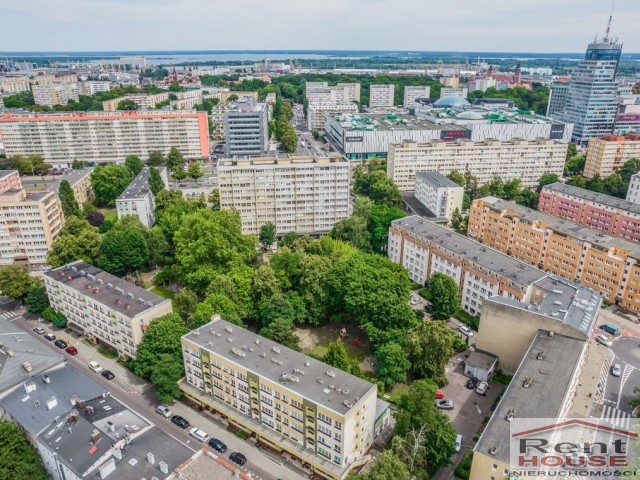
392 364
216 304
385 192
157 245
267 234
572 150
127 104
171 209
574 165
281 331
316 134
547 179
77 165
165 375
68 202
380 220
596 184
528 198
313 287
214 198
456 219
442 293
95 219
19 459
388 466
232 98
336 356
512 188
37 299
265 286
134 164
77 240
175 160
457 177
185 303
429 347
123 249
59 320
15 281
109 181
162 337
354 230
194 171
156 159
577 181
155 181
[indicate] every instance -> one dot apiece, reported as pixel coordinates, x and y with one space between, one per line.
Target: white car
482 388
463 329
199 434
164 411
601 338
95 366
414 301
616 370
458 444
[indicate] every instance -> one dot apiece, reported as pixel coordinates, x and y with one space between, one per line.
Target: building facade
381 95
104 136
606 155
187 100
80 182
104 308
29 222
610 215
246 126
138 199
412 92
91 87
521 159
317 112
291 402
439 194
454 92
305 195
13 85
633 193
558 93
144 101
55 93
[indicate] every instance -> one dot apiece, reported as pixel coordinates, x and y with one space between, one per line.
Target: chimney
127 306
151 459
164 468
27 366
117 453
96 290
95 436
46 379
110 426
51 403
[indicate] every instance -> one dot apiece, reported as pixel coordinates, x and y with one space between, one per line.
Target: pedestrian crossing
9 315
616 417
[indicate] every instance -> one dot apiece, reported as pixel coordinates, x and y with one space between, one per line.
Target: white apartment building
454 92
55 93
138 200
438 194
340 93
187 100
29 222
482 84
413 92
316 113
523 159
381 96
352 91
13 85
91 87
301 194
103 307
293 403
144 101
633 193
62 137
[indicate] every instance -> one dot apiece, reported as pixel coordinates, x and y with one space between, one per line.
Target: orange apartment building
609 265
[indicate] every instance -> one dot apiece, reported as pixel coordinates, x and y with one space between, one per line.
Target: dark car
217 445
71 350
238 458
472 383
60 344
39 330
50 336
179 421
108 375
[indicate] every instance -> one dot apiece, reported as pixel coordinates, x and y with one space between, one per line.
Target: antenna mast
606 35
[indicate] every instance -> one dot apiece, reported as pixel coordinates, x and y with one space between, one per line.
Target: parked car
616 370
439 394
199 434
39 330
60 344
95 366
463 329
217 445
605 327
108 374
601 338
179 421
50 336
238 458
164 411
444 404
71 350
458 444
481 389
414 301
472 383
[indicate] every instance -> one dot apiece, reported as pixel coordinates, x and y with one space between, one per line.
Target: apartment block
187 100
292 403
13 85
353 91
62 137
481 84
522 159
610 215
438 194
29 222
301 194
91 87
413 92
102 307
450 82
144 101
609 265
558 93
454 92
607 154
633 193
42 79
246 126
381 95
224 96
317 112
425 248
80 182
138 199
55 93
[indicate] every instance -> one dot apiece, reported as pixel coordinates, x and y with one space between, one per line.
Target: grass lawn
162 291
109 214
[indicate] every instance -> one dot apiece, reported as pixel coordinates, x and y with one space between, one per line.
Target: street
138 395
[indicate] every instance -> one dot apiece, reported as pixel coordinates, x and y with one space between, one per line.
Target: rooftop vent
74 269
140 300
83 273
307 363
127 306
275 360
510 414
331 373
100 281
493 450
527 381
228 329
298 371
130 295
119 290
96 290
109 285
229 339
347 404
540 355
118 301
46 379
263 354
238 352
88 286
91 277
275 349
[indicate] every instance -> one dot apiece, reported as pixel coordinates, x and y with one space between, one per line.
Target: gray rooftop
139 187
382 122
550 379
25 348
436 179
78 275
257 355
6 173
481 359
508 267
607 200
73 177
601 240
416 207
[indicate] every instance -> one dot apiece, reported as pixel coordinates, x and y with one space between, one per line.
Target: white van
458 444
199 434
95 366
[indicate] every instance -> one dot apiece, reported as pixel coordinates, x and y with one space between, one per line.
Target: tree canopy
123 249
442 293
68 200
109 181
19 459
134 164
77 240
15 281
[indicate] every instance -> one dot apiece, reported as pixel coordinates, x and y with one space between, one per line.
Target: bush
95 218
469 320
241 434
107 352
502 378
463 470
59 320
48 314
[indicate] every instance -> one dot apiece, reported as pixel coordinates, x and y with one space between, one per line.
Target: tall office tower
591 100
246 126
557 98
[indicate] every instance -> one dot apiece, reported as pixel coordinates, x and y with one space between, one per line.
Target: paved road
138 395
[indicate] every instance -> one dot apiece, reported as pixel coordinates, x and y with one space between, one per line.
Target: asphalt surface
137 394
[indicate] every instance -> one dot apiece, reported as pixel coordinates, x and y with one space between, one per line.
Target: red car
439 395
71 350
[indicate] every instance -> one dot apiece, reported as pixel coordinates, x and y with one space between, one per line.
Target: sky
460 25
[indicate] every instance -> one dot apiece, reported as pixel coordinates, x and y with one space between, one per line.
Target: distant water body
186 56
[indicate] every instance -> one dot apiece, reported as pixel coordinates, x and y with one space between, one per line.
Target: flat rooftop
585 194
508 267
598 239
73 177
284 159
437 179
376 122
139 187
550 378
321 383
110 289
6 173
204 466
